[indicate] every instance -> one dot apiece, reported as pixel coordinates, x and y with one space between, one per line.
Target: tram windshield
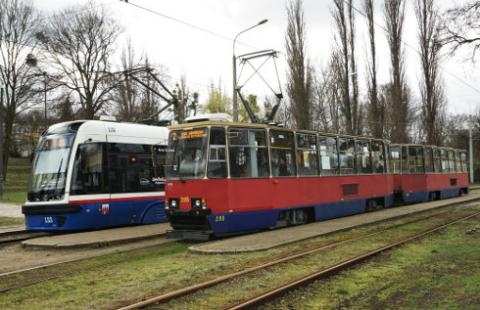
50 167
186 154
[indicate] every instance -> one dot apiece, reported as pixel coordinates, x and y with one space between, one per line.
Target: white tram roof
118 132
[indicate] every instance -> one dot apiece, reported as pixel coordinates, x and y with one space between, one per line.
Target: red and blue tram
97 174
228 178
424 172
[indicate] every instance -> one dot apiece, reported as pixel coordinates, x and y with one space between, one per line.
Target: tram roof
263 126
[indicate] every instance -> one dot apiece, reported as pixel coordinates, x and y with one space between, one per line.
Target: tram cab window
88 175
428 159
395 161
307 155
378 157
362 153
283 156
328 155
444 158
346 150
415 159
248 153
451 161
437 161
217 164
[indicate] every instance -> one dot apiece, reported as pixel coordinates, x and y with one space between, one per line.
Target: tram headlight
173 203
199 203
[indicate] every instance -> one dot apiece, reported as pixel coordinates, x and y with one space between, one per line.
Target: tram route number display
190 134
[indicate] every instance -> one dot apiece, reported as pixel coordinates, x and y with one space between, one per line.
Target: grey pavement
10 210
99 238
270 239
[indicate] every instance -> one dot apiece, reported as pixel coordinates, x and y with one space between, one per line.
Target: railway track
307 279
36 276
19 235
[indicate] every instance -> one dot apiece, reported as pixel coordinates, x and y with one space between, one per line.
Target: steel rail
203 285
274 293
20 235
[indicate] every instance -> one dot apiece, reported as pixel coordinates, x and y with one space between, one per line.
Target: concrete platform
11 210
274 238
99 238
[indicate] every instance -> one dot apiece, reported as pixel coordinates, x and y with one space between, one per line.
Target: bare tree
300 79
79 42
433 99
187 103
394 11
345 64
127 93
461 27
18 21
376 111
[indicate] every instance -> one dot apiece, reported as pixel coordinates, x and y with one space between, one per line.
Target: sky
205 57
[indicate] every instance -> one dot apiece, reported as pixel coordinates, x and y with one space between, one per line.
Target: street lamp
235 102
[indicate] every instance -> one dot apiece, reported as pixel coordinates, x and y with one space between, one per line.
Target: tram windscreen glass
50 167
186 155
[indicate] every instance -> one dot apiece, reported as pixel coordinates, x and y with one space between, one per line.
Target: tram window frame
377 153
307 154
100 177
363 159
328 155
282 149
242 151
346 156
428 159
405 159
397 159
458 164
131 168
215 147
437 160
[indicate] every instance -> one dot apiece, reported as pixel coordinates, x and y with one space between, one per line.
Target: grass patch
11 221
15 188
438 272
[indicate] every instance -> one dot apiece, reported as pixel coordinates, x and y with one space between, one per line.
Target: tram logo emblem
105 209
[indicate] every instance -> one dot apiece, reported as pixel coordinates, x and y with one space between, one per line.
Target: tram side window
248 153
217 164
437 160
346 150
378 157
415 157
131 169
159 156
283 156
428 159
363 158
463 157
405 163
88 175
307 155
328 155
458 163
451 161
395 162
444 158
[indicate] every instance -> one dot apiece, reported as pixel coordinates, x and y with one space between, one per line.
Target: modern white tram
97 174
